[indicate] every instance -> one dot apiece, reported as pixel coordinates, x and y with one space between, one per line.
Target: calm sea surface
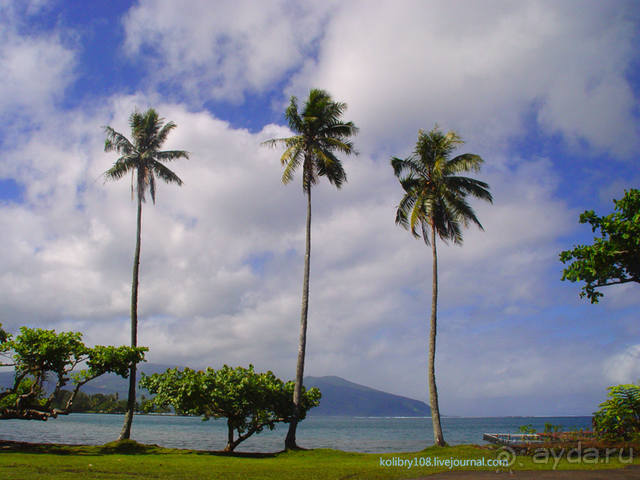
356 434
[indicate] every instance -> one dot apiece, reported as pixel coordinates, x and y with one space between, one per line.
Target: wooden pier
511 438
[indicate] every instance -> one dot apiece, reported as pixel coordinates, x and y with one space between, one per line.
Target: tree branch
624 280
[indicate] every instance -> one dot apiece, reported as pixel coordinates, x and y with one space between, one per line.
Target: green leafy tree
143 158
320 133
528 428
4 338
619 416
435 205
36 355
614 257
249 401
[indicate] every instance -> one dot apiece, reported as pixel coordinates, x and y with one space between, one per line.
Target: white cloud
477 69
480 68
222 50
623 367
35 67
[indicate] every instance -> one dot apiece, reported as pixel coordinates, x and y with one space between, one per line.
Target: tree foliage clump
614 257
43 362
249 401
619 416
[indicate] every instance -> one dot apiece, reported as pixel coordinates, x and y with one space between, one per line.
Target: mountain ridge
343 397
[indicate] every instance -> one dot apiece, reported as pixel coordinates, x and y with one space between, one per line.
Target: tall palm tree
435 203
143 158
320 132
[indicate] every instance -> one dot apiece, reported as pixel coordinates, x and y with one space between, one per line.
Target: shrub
619 416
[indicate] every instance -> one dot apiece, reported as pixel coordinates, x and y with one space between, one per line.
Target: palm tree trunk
290 441
125 434
431 371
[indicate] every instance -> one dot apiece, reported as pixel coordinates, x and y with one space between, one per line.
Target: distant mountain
339 396
107 384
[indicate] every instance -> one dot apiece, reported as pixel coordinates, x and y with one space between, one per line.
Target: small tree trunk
230 443
431 372
290 441
125 434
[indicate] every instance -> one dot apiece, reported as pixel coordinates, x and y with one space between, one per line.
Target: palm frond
136 123
273 142
292 116
408 166
117 171
462 211
287 142
291 159
165 174
404 209
117 142
168 155
162 135
470 186
426 237
328 165
450 230
338 130
417 218
464 163
332 143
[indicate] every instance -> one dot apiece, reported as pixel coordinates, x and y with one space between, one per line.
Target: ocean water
356 434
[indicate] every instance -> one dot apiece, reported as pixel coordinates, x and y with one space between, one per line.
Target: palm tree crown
143 155
320 132
435 193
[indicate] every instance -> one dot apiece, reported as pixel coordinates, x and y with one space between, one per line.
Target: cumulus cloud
480 68
220 51
35 67
623 367
517 375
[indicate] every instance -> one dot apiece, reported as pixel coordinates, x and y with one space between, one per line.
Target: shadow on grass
122 447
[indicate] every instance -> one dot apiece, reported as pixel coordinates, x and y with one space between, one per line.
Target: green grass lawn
134 461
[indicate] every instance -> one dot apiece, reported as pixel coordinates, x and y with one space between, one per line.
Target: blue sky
546 92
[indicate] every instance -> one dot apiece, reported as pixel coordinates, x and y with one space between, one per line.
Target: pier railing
520 438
